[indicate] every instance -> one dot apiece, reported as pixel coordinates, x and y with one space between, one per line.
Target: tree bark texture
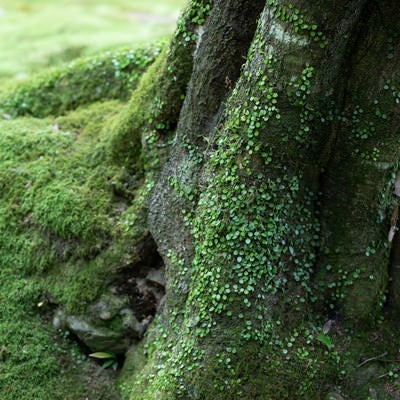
273 210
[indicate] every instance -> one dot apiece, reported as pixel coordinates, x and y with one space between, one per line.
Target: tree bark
273 211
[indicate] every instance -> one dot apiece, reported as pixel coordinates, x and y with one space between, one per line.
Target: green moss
32 352
135 364
48 177
75 284
106 76
89 119
53 235
55 239
196 14
126 130
74 197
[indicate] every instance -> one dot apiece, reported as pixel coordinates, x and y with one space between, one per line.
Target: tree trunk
273 210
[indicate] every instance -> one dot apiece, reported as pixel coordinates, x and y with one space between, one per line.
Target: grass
41 33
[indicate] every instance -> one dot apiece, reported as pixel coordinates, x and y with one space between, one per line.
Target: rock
60 320
105 315
121 315
129 321
108 325
98 338
157 276
135 361
367 373
396 395
108 306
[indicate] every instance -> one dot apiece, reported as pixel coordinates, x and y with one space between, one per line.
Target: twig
372 359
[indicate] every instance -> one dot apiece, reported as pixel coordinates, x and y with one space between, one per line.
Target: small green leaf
326 340
102 355
109 363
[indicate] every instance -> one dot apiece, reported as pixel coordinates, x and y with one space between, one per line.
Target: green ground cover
57 154
54 239
40 33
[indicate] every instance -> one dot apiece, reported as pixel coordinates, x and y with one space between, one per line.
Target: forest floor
44 33
35 358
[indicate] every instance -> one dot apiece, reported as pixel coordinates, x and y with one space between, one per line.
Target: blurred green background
40 33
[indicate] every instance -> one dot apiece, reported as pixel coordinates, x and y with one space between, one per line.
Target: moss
53 234
77 283
126 131
46 174
32 352
55 240
88 119
106 76
135 364
144 128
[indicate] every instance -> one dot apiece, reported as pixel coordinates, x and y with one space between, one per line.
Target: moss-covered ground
67 220
45 179
72 184
37 34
